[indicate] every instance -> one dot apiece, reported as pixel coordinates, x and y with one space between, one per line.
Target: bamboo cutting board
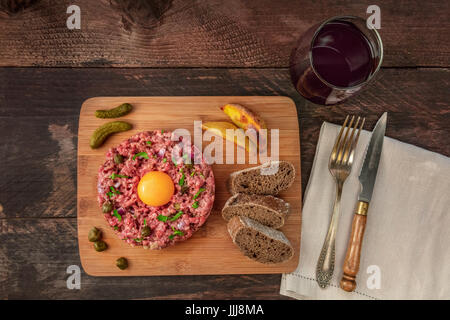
210 250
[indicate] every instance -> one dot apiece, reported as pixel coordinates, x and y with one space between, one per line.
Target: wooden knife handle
351 263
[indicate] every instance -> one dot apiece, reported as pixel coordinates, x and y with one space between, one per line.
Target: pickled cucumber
99 136
116 112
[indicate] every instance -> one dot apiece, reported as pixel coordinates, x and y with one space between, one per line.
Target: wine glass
335 59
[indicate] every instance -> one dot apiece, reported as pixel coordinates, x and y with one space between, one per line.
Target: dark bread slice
267 210
269 178
259 242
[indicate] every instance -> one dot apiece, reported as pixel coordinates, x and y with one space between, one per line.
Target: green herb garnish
175 233
192 173
116 228
181 182
117 215
162 218
162 131
175 217
145 222
114 175
138 240
195 205
149 143
164 160
166 218
110 194
113 190
198 193
140 154
201 175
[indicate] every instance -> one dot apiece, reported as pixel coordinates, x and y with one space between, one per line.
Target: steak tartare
138 223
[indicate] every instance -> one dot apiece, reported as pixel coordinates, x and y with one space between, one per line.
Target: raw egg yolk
155 188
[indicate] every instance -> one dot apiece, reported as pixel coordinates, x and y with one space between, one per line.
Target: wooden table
164 48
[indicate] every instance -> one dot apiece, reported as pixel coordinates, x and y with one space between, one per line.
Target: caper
118 158
94 234
107 207
184 189
176 206
189 165
122 263
145 232
100 246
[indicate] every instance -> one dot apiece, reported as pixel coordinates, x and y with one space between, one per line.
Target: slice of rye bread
259 242
269 178
267 210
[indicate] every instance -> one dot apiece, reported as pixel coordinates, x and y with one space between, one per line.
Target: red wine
342 55
331 64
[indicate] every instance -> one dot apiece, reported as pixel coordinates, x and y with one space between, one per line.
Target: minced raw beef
129 214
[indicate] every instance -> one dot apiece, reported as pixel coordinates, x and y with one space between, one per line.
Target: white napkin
407 240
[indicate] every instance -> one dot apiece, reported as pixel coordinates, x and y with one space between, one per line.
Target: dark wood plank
194 33
41 177
35 254
38 129
39 118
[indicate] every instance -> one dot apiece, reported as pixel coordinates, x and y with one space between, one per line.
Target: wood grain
213 33
210 250
47 101
35 254
39 109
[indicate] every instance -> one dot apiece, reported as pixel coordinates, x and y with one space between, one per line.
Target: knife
367 178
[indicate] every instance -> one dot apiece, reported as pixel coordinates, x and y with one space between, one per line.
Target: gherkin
116 112
101 133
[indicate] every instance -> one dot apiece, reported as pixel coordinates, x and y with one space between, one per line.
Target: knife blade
367 177
369 168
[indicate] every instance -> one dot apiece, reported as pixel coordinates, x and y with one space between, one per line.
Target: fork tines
344 148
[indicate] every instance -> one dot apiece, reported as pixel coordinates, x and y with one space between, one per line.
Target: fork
340 166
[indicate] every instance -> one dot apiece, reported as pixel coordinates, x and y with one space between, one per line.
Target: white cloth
407 233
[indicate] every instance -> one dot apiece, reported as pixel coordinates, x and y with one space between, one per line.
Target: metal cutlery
340 165
367 179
